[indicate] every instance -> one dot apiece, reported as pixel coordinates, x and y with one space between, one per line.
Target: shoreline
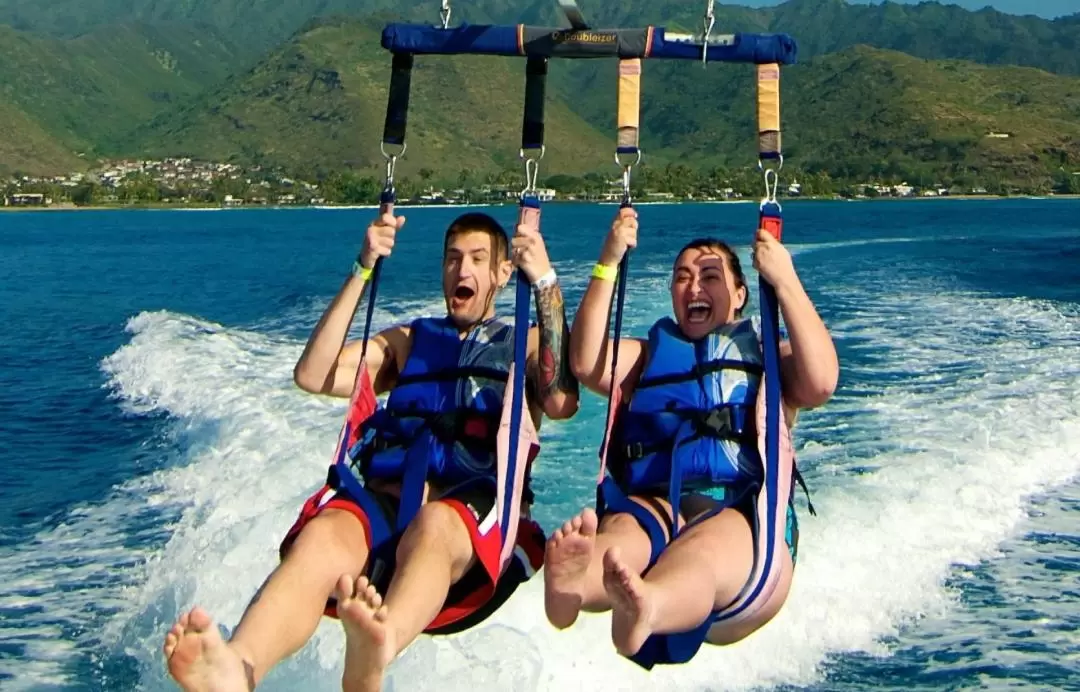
347 207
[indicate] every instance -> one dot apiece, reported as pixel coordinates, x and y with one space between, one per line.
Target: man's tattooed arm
553 358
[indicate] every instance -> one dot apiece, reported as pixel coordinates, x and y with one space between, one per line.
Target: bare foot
566 563
369 643
631 605
200 660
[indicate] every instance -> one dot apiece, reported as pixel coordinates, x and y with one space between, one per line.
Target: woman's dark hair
732 259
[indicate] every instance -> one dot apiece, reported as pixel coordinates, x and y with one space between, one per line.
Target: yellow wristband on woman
604 272
361 271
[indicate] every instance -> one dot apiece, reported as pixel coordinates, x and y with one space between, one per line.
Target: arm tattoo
554 357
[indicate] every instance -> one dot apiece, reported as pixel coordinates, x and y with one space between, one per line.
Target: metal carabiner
532 172
707 22
391 165
532 168
772 185
626 174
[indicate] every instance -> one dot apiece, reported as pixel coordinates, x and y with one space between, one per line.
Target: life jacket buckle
444 426
717 422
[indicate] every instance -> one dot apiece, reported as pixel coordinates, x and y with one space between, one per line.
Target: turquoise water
155 450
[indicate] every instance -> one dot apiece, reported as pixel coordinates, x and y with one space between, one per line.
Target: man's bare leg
280 618
435 552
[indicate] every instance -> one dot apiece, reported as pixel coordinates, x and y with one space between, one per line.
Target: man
447 378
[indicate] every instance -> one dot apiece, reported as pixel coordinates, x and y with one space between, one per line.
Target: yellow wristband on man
604 272
361 271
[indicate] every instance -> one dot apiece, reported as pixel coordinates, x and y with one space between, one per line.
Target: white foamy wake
961 416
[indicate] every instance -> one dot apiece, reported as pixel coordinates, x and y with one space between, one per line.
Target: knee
437 526
618 523
334 539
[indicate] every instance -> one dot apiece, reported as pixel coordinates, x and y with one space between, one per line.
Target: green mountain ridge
25 147
897 91
925 119
84 91
318 105
928 29
862 112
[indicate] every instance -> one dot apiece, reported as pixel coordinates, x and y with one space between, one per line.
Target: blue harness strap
771 220
381 531
676 648
394 128
611 499
415 473
529 204
532 139
659 649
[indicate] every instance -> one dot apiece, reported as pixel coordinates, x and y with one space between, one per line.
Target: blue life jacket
690 423
442 417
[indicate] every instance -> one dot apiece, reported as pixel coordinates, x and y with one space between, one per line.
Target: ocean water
153 450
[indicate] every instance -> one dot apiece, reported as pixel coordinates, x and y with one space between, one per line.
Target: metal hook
526 156
626 173
620 164
626 197
532 174
387 155
779 163
771 187
532 168
444 14
707 22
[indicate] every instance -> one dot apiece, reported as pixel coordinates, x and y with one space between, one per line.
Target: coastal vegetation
925 96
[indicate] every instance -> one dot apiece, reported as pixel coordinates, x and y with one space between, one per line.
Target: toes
344 588
200 619
366 591
575 524
589 522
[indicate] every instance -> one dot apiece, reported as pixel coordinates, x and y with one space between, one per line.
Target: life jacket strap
448 427
698 372
452 374
731 422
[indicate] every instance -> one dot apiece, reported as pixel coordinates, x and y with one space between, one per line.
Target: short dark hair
478 222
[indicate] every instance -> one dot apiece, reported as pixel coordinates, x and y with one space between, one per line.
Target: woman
694 392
